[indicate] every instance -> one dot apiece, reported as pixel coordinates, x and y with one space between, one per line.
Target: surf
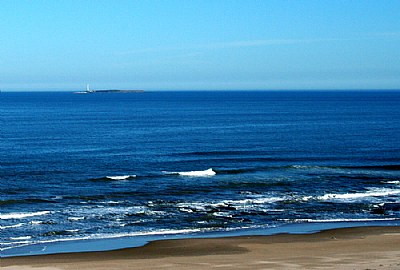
120 177
205 173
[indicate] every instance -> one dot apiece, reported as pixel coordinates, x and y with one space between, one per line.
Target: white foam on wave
222 214
75 218
256 200
209 172
188 210
101 211
258 203
121 177
14 244
249 203
23 215
21 238
11 226
111 202
393 182
300 167
197 206
36 222
377 192
72 231
100 236
307 167
341 220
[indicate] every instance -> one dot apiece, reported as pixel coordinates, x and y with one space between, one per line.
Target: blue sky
199 45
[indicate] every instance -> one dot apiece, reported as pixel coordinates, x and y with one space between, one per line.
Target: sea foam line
11 226
102 236
23 215
350 196
341 220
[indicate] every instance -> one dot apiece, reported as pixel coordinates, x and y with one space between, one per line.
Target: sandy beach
353 248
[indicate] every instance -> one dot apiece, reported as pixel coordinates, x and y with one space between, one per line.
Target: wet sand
353 248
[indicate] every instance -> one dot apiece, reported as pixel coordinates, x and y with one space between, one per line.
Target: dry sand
355 248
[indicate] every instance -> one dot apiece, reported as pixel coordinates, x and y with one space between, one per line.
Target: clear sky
199 45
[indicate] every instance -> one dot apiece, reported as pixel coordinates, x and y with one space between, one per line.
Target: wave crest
205 173
120 177
23 215
354 196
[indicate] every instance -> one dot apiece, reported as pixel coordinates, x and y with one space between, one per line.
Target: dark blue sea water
106 165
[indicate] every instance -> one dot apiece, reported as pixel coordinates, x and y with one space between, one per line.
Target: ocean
95 167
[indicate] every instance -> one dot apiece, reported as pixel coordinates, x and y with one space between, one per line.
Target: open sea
91 167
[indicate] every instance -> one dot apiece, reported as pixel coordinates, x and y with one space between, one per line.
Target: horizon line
218 90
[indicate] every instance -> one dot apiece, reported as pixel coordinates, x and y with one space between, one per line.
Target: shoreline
139 239
343 248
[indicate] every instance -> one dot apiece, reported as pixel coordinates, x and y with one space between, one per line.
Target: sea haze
108 165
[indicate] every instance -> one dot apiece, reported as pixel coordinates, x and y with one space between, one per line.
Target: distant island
89 91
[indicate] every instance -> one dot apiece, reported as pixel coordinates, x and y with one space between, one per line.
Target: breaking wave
205 173
23 215
375 192
113 178
120 177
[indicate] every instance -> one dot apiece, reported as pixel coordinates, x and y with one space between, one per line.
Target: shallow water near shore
115 243
154 165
